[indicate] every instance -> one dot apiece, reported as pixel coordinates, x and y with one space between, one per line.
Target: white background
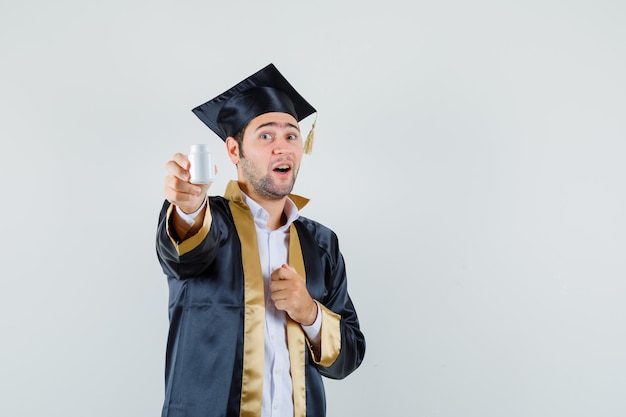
470 156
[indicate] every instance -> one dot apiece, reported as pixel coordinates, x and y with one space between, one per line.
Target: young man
258 305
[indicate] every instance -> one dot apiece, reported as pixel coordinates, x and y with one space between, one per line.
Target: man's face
272 151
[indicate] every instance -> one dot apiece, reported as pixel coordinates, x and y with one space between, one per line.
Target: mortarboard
263 92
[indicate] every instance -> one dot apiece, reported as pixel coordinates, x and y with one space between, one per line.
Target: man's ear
232 148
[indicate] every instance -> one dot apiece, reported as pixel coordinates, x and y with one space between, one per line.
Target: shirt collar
261 216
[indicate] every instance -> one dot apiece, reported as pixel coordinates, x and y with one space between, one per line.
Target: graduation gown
214 358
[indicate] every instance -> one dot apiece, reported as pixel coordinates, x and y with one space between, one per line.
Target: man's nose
282 146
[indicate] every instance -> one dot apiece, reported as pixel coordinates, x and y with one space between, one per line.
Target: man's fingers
175 169
183 194
182 160
177 188
284 272
279 285
180 186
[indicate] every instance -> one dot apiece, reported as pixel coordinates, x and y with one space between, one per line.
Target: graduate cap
263 92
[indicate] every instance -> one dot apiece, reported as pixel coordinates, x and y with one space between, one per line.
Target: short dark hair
239 139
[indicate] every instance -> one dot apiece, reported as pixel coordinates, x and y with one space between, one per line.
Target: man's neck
275 208
276 211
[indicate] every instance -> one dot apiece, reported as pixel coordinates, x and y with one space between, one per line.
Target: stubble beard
264 185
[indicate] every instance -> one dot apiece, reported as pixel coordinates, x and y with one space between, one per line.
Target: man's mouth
282 168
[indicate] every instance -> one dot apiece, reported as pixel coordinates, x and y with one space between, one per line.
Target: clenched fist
178 190
289 294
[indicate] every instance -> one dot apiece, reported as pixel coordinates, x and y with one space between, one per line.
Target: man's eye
266 136
292 137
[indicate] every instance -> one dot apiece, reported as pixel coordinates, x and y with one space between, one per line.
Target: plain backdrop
469 155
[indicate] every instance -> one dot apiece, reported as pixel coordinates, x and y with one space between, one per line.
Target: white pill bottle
201 165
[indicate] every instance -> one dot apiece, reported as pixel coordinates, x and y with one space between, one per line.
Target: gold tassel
308 145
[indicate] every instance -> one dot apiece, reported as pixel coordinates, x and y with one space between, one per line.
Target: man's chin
277 192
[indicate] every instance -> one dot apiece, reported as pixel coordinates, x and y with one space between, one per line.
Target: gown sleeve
186 258
342 342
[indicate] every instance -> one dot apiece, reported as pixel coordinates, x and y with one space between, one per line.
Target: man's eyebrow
276 124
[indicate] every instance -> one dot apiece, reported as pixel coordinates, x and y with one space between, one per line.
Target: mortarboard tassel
308 145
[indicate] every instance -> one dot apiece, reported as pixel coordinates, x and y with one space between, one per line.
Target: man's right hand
178 190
